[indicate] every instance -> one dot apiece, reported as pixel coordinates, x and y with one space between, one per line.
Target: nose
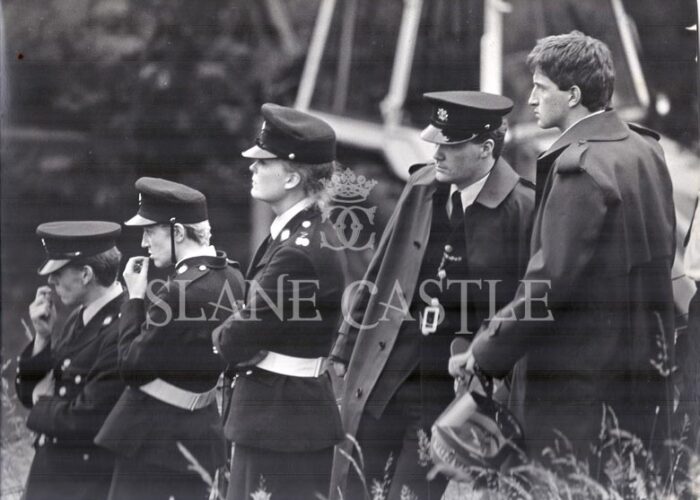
144 240
253 167
438 154
532 100
52 279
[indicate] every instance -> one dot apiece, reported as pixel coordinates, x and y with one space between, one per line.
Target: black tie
457 215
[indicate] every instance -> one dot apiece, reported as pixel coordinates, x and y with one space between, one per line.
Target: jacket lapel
90 333
291 227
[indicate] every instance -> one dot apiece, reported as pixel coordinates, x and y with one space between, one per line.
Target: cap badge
284 235
303 240
306 224
442 114
487 126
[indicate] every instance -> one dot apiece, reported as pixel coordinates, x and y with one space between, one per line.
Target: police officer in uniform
454 250
68 376
283 418
165 351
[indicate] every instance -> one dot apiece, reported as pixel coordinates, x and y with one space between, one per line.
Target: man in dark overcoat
592 324
452 253
68 376
283 418
165 351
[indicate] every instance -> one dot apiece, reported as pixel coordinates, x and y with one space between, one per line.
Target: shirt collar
469 193
94 307
283 219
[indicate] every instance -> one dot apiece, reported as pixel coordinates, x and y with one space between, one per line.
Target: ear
293 180
487 148
179 232
574 96
87 274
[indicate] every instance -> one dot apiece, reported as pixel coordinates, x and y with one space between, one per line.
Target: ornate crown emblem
346 187
442 114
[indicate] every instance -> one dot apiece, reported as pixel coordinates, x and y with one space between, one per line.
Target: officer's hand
461 365
136 277
339 368
42 312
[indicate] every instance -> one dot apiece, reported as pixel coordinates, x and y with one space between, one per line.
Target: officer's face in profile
69 283
551 105
156 239
461 164
270 177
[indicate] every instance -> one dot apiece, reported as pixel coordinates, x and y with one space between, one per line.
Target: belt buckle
430 318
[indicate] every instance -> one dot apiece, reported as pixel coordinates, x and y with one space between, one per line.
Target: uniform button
232 384
442 274
62 391
66 363
202 267
42 440
358 393
54 440
249 372
382 345
18 379
86 457
449 248
78 379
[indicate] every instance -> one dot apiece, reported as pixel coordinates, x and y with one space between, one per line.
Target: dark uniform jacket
382 345
602 249
87 385
292 308
160 339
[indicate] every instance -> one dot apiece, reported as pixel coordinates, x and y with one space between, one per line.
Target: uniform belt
292 366
173 395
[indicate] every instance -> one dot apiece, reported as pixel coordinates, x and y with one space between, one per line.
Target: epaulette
416 167
644 131
188 273
570 160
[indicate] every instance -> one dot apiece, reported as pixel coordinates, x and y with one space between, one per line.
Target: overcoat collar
602 127
500 183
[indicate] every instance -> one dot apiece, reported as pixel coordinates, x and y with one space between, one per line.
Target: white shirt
468 194
94 307
284 218
691 260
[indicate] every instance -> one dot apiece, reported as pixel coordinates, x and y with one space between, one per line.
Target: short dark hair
498 137
104 265
576 59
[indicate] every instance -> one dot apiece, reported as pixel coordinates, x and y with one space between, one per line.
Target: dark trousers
402 433
138 480
285 475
